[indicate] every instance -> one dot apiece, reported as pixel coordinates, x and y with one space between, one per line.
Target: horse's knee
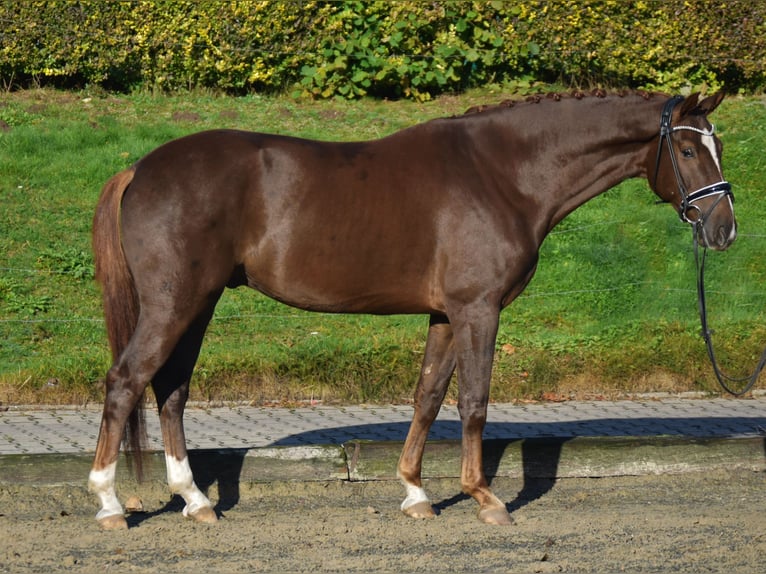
473 417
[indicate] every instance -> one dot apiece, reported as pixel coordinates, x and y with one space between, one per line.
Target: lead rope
707 334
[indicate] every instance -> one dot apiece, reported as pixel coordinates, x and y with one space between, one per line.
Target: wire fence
297 315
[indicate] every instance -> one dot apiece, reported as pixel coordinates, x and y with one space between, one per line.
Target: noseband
721 189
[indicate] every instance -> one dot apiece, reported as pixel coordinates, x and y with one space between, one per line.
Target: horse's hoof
113 522
495 515
134 504
205 515
420 510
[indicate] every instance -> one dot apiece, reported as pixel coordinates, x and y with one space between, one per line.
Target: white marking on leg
101 483
415 494
181 482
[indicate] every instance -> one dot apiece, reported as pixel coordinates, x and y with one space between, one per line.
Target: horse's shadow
539 461
540 455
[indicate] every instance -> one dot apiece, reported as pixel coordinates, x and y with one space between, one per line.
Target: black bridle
721 189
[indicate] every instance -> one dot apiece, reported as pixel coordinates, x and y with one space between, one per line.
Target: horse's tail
121 306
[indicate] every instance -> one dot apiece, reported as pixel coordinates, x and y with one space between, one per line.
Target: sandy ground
701 522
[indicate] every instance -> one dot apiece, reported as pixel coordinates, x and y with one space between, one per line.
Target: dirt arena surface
699 522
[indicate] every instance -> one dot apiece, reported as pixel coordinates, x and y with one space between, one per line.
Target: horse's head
687 171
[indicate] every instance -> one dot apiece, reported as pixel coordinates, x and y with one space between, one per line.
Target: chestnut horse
445 218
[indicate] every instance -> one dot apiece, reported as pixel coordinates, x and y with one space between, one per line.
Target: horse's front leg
437 369
475 332
179 473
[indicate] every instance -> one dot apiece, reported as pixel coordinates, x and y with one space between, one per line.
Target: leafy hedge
380 48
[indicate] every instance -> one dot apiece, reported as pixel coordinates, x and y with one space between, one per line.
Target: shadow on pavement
540 450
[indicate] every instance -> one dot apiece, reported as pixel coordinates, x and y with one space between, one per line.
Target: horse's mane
555 96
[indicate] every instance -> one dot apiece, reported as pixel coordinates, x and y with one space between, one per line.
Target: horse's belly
344 283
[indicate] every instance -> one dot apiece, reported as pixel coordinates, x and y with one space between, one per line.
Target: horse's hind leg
171 387
152 342
437 369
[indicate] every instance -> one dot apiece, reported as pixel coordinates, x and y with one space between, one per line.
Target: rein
707 334
722 189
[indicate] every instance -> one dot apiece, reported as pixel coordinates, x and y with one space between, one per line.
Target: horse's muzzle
717 237
713 218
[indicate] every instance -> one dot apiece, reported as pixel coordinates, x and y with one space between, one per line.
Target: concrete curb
358 460
590 457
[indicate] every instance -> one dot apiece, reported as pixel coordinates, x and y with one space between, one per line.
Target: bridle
721 189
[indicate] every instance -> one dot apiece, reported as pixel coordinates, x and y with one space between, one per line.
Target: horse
444 219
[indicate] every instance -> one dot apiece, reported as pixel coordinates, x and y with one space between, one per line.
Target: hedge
380 48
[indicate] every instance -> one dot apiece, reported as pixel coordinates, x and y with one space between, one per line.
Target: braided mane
555 96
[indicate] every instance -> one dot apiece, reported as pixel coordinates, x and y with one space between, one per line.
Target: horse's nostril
721 236
724 237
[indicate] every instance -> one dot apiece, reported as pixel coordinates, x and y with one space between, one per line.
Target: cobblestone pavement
74 430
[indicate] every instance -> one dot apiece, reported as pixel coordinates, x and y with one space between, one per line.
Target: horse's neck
591 147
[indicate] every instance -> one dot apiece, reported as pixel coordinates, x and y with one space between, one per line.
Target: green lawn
612 308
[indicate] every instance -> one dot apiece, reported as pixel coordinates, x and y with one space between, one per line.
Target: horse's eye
688 152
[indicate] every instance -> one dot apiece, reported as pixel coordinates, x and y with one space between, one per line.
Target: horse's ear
710 103
689 104
694 107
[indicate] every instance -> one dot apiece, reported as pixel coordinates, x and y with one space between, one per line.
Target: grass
611 310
